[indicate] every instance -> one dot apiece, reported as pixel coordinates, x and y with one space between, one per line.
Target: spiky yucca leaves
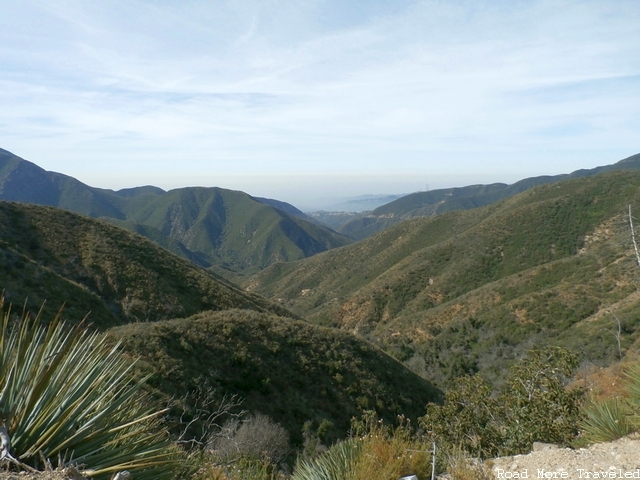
632 387
606 421
615 418
65 394
337 463
376 451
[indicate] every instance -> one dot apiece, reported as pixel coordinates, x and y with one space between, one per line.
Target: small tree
467 419
534 405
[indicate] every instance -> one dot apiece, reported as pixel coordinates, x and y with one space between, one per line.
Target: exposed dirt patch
619 459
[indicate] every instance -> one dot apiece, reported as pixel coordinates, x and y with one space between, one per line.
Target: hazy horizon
315 193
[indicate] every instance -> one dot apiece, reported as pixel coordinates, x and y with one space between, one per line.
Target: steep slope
210 226
23 181
470 290
290 370
55 255
230 228
435 202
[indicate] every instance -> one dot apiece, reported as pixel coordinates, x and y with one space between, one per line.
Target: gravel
618 459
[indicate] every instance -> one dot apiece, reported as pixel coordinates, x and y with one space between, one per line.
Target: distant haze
307 101
316 192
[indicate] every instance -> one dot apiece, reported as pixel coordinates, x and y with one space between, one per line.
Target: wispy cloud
424 88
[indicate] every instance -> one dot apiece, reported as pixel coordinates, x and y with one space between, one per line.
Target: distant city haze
317 101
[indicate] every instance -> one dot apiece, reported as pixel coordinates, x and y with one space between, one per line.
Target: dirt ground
619 459
58 474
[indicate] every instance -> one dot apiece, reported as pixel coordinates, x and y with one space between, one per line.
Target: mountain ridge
288 369
48 254
512 269
434 202
194 331
208 225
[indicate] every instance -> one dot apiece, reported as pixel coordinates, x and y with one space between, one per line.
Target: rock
540 446
618 459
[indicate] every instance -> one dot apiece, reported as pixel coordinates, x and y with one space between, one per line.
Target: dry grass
604 383
464 468
388 453
389 458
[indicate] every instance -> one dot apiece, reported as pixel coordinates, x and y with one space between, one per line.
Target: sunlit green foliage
606 420
337 463
613 418
534 405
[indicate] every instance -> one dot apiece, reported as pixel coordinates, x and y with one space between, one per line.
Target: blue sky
314 99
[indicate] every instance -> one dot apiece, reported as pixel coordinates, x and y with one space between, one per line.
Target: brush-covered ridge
470 290
52 254
290 370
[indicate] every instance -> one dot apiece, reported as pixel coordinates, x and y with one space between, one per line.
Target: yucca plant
632 388
67 396
337 463
606 421
617 417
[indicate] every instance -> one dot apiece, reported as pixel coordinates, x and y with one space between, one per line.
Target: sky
307 101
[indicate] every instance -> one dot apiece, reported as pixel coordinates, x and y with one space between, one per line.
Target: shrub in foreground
615 418
374 451
67 397
256 437
535 405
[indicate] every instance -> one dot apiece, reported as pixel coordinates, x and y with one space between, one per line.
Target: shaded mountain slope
290 370
435 202
52 254
508 276
210 226
23 181
285 207
230 228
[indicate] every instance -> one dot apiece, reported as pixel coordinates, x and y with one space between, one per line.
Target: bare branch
202 414
617 334
633 237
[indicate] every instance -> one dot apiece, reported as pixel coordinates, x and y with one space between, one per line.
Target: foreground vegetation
290 370
96 415
67 396
612 417
536 404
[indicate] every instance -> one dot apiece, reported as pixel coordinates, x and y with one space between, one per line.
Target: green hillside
230 228
209 226
55 255
471 289
234 342
290 370
436 202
